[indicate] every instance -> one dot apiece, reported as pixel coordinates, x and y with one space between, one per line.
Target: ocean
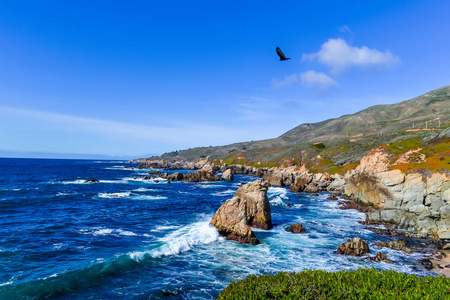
128 238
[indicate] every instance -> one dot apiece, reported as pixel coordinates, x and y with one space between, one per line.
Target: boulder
177 176
249 207
296 228
355 247
227 175
380 257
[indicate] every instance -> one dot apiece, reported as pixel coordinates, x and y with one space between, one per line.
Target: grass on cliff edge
359 284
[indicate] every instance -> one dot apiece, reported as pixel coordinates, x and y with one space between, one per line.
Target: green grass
359 284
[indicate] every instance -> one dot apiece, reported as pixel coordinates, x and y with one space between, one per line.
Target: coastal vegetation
318 284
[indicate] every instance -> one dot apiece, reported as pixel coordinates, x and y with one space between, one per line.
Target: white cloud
339 56
318 80
286 81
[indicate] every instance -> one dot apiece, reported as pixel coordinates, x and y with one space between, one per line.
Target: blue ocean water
126 238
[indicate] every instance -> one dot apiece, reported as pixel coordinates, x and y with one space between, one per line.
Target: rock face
249 207
415 202
227 175
355 247
296 228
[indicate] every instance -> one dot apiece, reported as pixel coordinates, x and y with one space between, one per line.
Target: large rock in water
355 247
249 207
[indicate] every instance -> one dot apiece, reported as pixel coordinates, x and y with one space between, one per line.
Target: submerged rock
355 247
296 228
249 207
92 180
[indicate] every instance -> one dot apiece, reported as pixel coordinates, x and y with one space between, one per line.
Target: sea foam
181 240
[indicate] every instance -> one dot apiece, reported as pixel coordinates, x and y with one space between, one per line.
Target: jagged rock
380 257
258 207
300 182
296 228
249 207
227 175
92 180
355 247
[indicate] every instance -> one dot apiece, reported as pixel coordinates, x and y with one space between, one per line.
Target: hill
335 143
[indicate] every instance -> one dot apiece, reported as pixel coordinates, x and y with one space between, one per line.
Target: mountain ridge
359 132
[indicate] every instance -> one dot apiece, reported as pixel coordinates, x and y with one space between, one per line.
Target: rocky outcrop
355 247
196 176
248 208
416 202
296 228
227 175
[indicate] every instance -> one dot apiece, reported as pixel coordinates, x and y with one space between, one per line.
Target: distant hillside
342 140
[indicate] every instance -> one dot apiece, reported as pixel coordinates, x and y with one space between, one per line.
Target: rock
446 246
315 194
355 247
177 176
352 204
380 257
300 182
296 228
227 175
428 264
249 207
396 245
332 197
92 180
258 207
154 172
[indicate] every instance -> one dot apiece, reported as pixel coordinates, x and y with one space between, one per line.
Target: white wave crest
277 202
144 190
101 231
148 197
164 227
114 195
181 240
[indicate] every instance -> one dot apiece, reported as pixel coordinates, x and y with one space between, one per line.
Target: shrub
359 284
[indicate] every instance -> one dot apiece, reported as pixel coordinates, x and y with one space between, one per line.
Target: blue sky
145 77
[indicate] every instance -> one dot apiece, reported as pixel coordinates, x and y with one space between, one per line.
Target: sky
130 79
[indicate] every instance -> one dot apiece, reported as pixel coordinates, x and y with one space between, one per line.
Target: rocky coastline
416 203
413 204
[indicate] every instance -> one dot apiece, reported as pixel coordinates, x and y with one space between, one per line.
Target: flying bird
281 54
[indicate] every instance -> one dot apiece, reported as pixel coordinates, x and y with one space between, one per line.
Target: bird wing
280 53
